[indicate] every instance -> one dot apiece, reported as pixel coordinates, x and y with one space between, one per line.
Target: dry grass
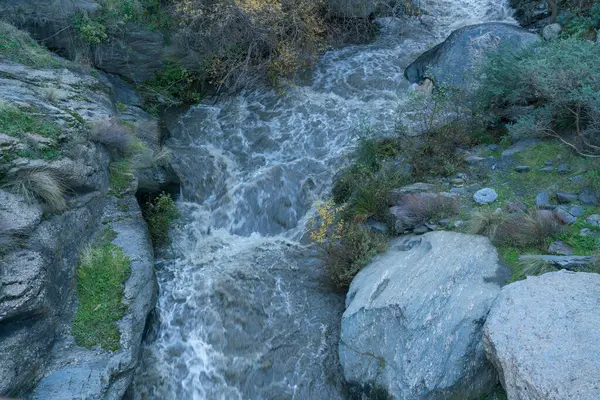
416 209
113 135
533 266
38 184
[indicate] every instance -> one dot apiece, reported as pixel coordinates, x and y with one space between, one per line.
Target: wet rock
17 216
552 31
560 248
566 197
413 318
451 62
572 263
593 220
588 198
541 335
576 211
564 216
485 196
520 146
522 168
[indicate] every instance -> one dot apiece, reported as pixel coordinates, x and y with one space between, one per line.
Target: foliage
38 184
160 214
560 79
101 273
91 31
580 22
19 47
173 85
417 209
15 122
121 175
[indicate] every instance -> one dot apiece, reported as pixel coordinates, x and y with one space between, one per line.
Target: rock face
414 318
542 337
451 62
530 12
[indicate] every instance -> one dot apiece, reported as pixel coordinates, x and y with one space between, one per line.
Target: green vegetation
19 47
560 79
38 184
121 175
101 274
173 85
581 20
160 213
15 122
89 30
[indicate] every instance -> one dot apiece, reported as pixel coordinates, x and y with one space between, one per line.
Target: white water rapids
243 310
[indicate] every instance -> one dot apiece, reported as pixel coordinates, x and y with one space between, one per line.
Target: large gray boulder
454 61
414 318
542 337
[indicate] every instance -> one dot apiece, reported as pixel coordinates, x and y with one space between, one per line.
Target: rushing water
243 312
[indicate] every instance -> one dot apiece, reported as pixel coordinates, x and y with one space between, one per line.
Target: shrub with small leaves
160 214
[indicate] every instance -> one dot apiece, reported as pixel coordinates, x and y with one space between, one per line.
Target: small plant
101 274
38 184
534 266
18 46
160 214
91 31
121 175
173 85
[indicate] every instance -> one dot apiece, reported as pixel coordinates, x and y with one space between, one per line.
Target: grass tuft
38 184
18 46
160 214
101 273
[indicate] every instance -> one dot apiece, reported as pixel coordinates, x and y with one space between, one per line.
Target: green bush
581 22
101 274
559 79
173 85
160 214
90 30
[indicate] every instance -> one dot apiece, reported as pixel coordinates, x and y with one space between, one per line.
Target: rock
473 159
485 196
396 195
444 222
572 263
593 220
542 336
458 223
563 168
530 12
547 169
542 200
560 248
577 178
548 163
420 230
413 318
552 31
457 181
17 216
522 168
588 198
520 146
576 211
451 63
563 216
565 197
377 226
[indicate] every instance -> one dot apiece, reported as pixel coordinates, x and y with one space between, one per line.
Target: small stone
444 222
588 198
577 178
566 197
563 216
522 168
576 211
547 163
552 31
587 232
593 220
563 168
461 175
458 182
458 223
457 191
547 169
485 196
431 227
420 230
542 200
471 159
560 248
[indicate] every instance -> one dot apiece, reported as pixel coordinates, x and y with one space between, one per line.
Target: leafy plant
173 85
90 30
160 214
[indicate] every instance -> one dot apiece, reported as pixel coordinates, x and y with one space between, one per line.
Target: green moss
101 273
19 47
15 122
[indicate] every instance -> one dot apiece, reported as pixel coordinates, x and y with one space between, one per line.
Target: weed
101 273
38 184
160 214
121 175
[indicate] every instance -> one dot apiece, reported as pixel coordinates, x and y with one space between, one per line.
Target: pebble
563 216
566 197
522 168
593 220
458 181
577 178
542 200
588 198
547 169
560 248
576 211
485 196
563 168
548 163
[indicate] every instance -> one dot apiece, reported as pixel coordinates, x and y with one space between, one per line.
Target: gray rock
530 12
548 163
572 263
577 178
451 63
17 217
563 216
520 146
522 168
563 168
485 196
552 31
542 200
542 336
395 195
560 248
588 198
566 197
593 220
377 226
473 159
547 169
576 211
413 318
420 230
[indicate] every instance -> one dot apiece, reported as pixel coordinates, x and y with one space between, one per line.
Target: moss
101 274
15 122
19 47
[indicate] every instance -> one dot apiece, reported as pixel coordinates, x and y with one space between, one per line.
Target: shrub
19 47
173 85
160 214
533 266
38 184
101 273
91 31
370 197
560 79
580 22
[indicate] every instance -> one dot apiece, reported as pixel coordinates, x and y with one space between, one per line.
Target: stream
244 310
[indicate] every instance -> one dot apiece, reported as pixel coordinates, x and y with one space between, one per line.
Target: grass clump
101 274
15 122
173 85
416 209
19 47
38 184
160 213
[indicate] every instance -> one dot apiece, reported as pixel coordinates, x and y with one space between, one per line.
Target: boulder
17 217
453 62
485 196
552 31
530 12
542 336
414 318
